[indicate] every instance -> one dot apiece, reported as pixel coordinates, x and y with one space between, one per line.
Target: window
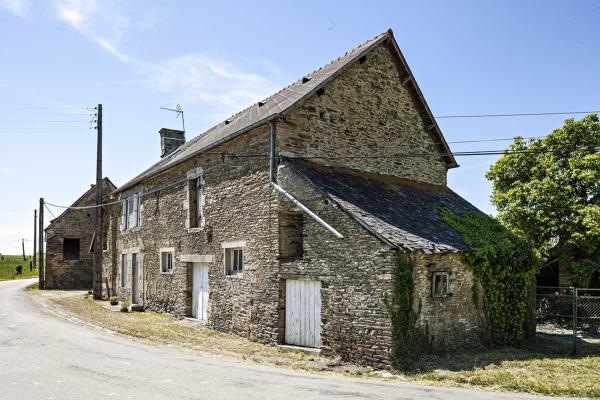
70 249
291 238
195 196
440 284
123 270
130 212
166 262
234 260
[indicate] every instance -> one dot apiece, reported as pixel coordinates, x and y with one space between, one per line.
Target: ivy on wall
505 266
408 340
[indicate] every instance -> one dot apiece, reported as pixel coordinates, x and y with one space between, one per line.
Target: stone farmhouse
281 224
69 239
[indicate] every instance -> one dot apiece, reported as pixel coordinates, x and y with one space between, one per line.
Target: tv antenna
179 112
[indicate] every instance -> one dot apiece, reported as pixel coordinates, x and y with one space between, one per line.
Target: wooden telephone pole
97 267
42 284
34 236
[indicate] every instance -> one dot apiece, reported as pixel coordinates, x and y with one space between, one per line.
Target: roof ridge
321 75
376 37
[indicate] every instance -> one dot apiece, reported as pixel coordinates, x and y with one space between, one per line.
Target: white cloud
200 79
103 25
17 7
217 84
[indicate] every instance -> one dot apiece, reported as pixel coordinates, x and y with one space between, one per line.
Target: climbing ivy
505 266
408 340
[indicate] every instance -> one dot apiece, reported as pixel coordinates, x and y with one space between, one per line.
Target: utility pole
97 268
23 245
34 236
42 283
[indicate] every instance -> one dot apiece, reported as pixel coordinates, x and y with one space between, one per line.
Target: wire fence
569 312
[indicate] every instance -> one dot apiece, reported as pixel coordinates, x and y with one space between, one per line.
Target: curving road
45 357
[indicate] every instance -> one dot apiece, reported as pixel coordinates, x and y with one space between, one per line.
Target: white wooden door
303 312
200 291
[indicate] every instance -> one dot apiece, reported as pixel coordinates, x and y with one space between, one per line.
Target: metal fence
569 311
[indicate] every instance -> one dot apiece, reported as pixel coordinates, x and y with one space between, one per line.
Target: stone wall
73 224
357 272
366 111
455 320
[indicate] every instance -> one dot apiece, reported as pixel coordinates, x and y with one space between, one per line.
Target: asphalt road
45 357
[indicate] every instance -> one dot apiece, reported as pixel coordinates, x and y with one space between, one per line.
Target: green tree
548 191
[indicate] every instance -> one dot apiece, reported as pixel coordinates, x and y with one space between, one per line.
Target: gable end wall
366 111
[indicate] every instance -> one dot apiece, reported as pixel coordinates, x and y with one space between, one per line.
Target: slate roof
401 213
283 101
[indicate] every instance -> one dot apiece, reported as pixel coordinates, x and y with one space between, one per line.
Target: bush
125 306
113 300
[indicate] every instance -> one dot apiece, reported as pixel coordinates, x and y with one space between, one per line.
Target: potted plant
125 306
113 300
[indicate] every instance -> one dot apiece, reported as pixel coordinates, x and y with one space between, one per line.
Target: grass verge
545 369
8 267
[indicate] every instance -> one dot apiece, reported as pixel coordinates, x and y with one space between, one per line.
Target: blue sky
59 56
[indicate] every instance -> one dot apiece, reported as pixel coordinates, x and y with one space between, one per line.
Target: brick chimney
170 140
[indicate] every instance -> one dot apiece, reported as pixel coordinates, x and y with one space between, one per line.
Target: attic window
261 103
362 59
320 92
228 121
305 79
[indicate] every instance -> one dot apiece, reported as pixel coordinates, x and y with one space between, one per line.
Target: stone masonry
74 270
365 110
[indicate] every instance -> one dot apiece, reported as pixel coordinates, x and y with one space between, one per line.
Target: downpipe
285 193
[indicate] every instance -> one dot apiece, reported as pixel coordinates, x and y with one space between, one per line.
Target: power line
51 213
492 140
264 156
515 114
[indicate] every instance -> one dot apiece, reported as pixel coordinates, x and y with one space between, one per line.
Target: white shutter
135 209
124 215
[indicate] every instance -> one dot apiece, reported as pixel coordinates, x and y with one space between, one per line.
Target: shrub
125 306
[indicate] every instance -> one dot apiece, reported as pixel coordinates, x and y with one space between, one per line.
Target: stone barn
281 224
69 238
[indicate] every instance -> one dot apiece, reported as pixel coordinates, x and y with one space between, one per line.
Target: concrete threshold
295 349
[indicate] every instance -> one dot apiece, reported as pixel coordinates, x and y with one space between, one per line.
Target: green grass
8 266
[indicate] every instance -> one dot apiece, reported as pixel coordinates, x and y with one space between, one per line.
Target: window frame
131 211
233 259
170 251
436 275
78 240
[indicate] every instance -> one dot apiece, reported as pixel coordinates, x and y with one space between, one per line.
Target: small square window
70 249
439 287
234 260
166 262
